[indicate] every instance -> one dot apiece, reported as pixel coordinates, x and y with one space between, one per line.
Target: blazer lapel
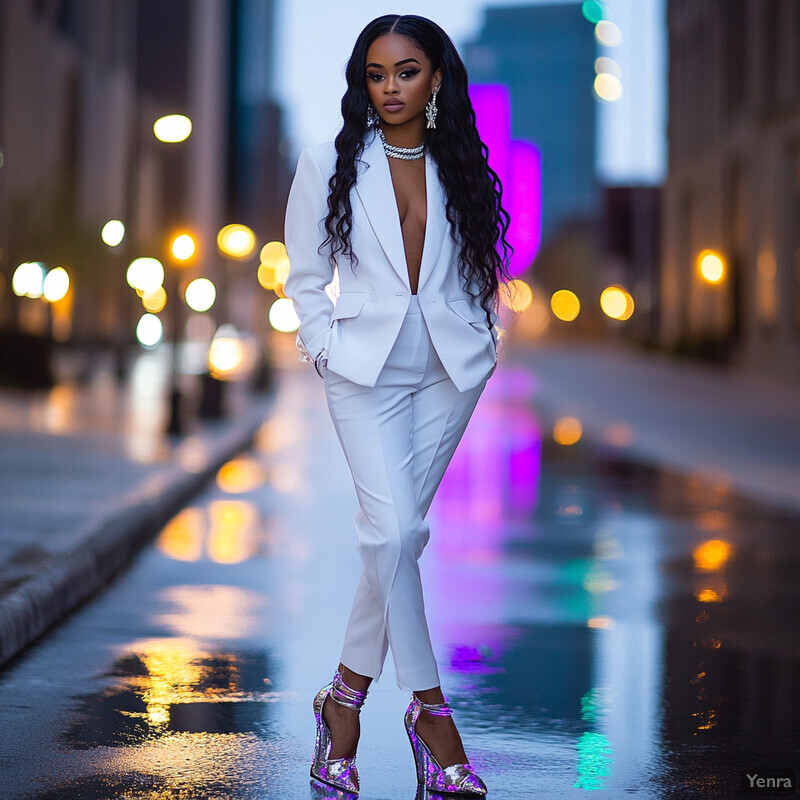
376 192
436 221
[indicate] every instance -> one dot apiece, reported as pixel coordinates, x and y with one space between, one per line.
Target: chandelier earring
372 116
431 111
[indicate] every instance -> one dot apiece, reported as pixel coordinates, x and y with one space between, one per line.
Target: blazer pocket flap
468 311
349 304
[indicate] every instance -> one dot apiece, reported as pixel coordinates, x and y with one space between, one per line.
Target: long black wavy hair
472 189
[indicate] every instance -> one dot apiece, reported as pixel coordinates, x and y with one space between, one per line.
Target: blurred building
631 242
81 83
545 56
734 182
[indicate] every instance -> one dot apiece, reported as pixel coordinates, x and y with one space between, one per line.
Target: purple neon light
518 164
492 104
525 205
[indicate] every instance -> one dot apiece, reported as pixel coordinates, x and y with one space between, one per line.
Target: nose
390 87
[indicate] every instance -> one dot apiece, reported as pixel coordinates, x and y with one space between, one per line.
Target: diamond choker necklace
404 153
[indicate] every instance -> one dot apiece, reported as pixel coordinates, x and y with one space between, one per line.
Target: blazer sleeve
309 270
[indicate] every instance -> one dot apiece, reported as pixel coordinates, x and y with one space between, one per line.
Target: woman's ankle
360 683
431 696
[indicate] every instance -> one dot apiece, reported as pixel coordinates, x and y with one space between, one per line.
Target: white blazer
358 333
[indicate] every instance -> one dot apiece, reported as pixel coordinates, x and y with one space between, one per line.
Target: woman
405 206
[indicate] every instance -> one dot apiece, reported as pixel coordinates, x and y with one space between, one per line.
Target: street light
236 241
56 285
172 128
711 266
113 235
182 249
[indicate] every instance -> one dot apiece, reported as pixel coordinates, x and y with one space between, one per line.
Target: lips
393 105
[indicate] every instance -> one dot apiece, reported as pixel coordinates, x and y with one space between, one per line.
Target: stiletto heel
457 779
341 773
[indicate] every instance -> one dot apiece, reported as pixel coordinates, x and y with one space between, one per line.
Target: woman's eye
374 76
409 73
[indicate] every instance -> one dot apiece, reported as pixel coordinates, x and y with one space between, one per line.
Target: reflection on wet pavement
167 686
602 626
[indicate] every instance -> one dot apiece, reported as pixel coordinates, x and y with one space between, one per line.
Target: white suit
404 373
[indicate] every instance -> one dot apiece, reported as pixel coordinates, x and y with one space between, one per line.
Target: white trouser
398 438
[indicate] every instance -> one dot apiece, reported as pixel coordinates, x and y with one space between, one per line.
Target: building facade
733 184
81 83
545 56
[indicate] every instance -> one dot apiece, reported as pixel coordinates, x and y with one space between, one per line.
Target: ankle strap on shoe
344 695
436 709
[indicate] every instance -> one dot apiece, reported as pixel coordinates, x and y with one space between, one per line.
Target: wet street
603 626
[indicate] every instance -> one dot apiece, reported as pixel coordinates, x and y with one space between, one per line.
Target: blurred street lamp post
175 128
113 236
236 243
181 251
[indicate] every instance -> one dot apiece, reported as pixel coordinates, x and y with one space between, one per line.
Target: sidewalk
87 476
739 430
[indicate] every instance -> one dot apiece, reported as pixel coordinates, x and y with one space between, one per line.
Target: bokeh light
145 274
155 301
711 266
172 128
516 295
536 319
711 555
226 355
113 233
616 303
56 285
283 317
606 64
241 475
608 87
710 596
200 294
266 276
182 537
149 331
607 33
567 430
236 241
274 268
273 252
593 11
182 247
28 279
565 305
232 529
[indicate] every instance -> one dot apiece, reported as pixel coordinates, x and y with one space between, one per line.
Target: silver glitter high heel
341 773
459 779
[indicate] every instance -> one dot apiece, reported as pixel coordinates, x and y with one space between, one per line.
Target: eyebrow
398 64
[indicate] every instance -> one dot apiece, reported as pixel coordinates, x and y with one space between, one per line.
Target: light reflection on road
602 626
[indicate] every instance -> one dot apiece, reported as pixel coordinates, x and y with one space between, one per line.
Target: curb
109 544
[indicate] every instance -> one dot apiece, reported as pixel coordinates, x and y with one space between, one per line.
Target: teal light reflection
595 754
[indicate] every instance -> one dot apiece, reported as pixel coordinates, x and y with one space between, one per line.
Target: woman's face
400 79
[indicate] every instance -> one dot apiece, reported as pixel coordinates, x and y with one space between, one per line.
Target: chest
408 181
